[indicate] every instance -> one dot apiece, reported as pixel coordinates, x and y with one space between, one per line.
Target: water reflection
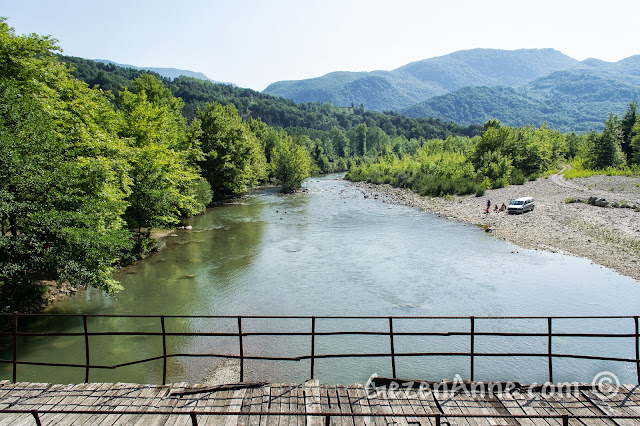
331 251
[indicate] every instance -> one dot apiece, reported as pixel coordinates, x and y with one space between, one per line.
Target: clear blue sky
254 43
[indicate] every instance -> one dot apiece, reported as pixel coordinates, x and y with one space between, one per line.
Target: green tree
359 142
234 159
635 143
291 164
340 142
62 178
628 122
161 158
605 148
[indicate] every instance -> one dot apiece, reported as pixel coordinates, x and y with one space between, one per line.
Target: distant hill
315 120
422 80
578 99
165 72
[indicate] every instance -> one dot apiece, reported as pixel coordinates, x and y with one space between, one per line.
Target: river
330 250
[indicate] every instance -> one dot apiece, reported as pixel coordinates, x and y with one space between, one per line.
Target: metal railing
313 334
321 417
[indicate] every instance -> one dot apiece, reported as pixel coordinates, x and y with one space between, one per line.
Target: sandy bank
605 235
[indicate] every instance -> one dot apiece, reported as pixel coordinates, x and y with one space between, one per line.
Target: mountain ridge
171 73
425 78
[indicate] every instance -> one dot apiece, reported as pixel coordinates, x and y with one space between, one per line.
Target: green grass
578 171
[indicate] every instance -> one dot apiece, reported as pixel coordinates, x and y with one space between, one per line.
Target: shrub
517 177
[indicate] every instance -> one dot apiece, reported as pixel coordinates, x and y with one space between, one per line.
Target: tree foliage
62 184
290 164
234 159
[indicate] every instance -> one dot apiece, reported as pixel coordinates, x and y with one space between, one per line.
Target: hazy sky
254 43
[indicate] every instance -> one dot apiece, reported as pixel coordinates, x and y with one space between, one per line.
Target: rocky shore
562 220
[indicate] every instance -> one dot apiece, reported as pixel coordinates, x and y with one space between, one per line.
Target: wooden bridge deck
403 408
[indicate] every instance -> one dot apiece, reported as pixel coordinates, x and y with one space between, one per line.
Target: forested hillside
170 73
574 100
312 119
421 80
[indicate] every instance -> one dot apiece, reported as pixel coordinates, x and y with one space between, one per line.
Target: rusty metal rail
326 416
472 354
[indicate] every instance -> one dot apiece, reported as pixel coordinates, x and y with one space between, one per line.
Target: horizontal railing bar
319 333
320 413
324 356
36 314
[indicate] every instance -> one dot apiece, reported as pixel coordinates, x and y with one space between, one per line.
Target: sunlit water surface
333 251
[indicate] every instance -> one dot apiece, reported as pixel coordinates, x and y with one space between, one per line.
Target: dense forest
574 100
314 120
505 155
85 174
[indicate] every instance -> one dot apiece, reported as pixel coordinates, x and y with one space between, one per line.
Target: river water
332 251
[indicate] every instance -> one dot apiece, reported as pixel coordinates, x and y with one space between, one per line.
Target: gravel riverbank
607 236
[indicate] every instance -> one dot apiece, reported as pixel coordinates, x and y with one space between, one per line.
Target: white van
520 205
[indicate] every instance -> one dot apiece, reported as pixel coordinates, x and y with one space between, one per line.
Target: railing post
438 420
15 347
635 319
393 352
327 420
313 344
34 413
164 350
472 343
550 350
565 420
86 348
194 419
241 349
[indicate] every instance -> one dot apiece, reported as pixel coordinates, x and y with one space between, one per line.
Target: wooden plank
345 405
495 402
18 397
325 402
604 406
531 406
333 403
73 398
449 405
376 407
256 405
512 407
154 400
423 403
163 402
136 399
403 405
287 395
275 405
121 399
173 403
474 403
266 404
93 402
247 406
297 404
468 405
418 408
360 401
354 403
388 406
566 406
312 401
234 403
